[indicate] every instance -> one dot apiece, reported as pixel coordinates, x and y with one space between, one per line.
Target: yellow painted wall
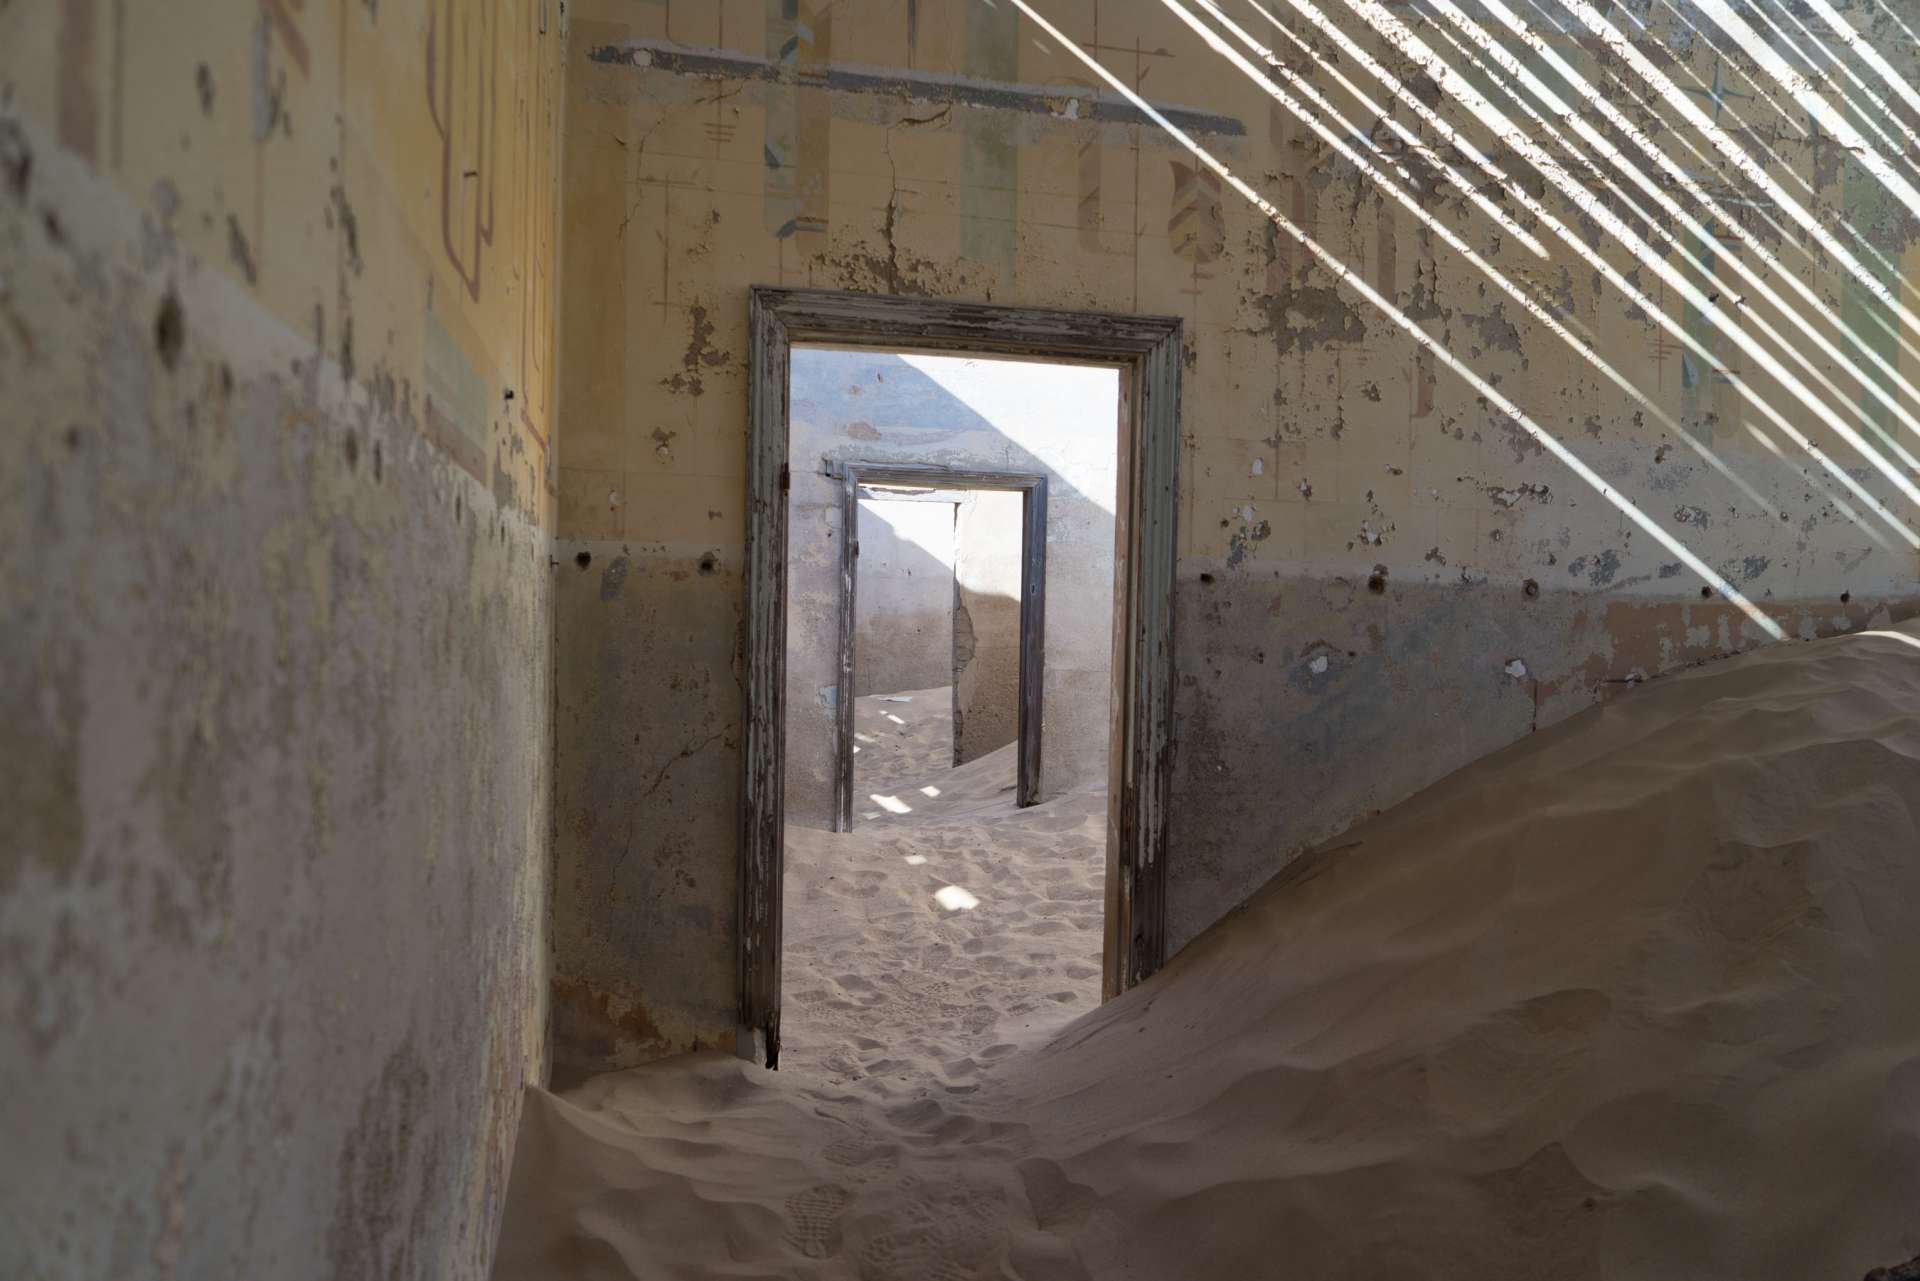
382 177
277 434
1370 540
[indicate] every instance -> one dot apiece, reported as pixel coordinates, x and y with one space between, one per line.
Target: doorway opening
943 591
966 691
921 923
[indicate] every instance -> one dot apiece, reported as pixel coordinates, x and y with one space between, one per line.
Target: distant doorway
988 551
1137 753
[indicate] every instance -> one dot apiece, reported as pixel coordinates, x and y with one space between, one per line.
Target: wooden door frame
1149 350
1032 488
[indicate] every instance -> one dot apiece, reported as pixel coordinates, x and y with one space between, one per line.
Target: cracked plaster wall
275 625
1368 545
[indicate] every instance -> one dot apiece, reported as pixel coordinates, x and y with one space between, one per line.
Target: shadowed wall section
903 608
276 338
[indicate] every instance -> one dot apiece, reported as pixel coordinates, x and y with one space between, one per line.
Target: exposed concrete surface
274 648
638 820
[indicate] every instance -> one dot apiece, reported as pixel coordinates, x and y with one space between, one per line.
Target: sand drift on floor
948 927
1636 998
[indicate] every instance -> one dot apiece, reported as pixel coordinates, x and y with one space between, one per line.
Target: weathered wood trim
934 477
1151 349
763 751
899 85
1115 945
843 701
1033 642
1144 819
1032 487
835 315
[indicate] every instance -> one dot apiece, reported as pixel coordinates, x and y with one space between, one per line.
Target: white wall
903 597
986 622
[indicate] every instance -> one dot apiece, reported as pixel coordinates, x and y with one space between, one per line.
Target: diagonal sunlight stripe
1700 231
1826 77
1392 83
1451 82
1803 93
1624 49
1865 51
1499 215
1619 83
1740 234
1725 61
1839 504
1886 9
1517 72
1556 323
1420 337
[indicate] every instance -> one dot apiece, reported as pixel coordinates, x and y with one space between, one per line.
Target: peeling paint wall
1385 573
276 345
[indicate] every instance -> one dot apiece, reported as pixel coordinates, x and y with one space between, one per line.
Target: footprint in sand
862 1160
851 1152
945 1234
813 1219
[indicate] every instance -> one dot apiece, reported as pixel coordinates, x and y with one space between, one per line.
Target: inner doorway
1143 354
953 561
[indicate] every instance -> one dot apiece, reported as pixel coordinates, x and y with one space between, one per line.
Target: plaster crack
639 153
893 212
660 776
659 779
893 194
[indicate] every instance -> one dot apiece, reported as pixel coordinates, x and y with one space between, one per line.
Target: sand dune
1636 998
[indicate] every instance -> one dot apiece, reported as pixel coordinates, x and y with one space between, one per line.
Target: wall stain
1307 317
377 1220
613 576
700 355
